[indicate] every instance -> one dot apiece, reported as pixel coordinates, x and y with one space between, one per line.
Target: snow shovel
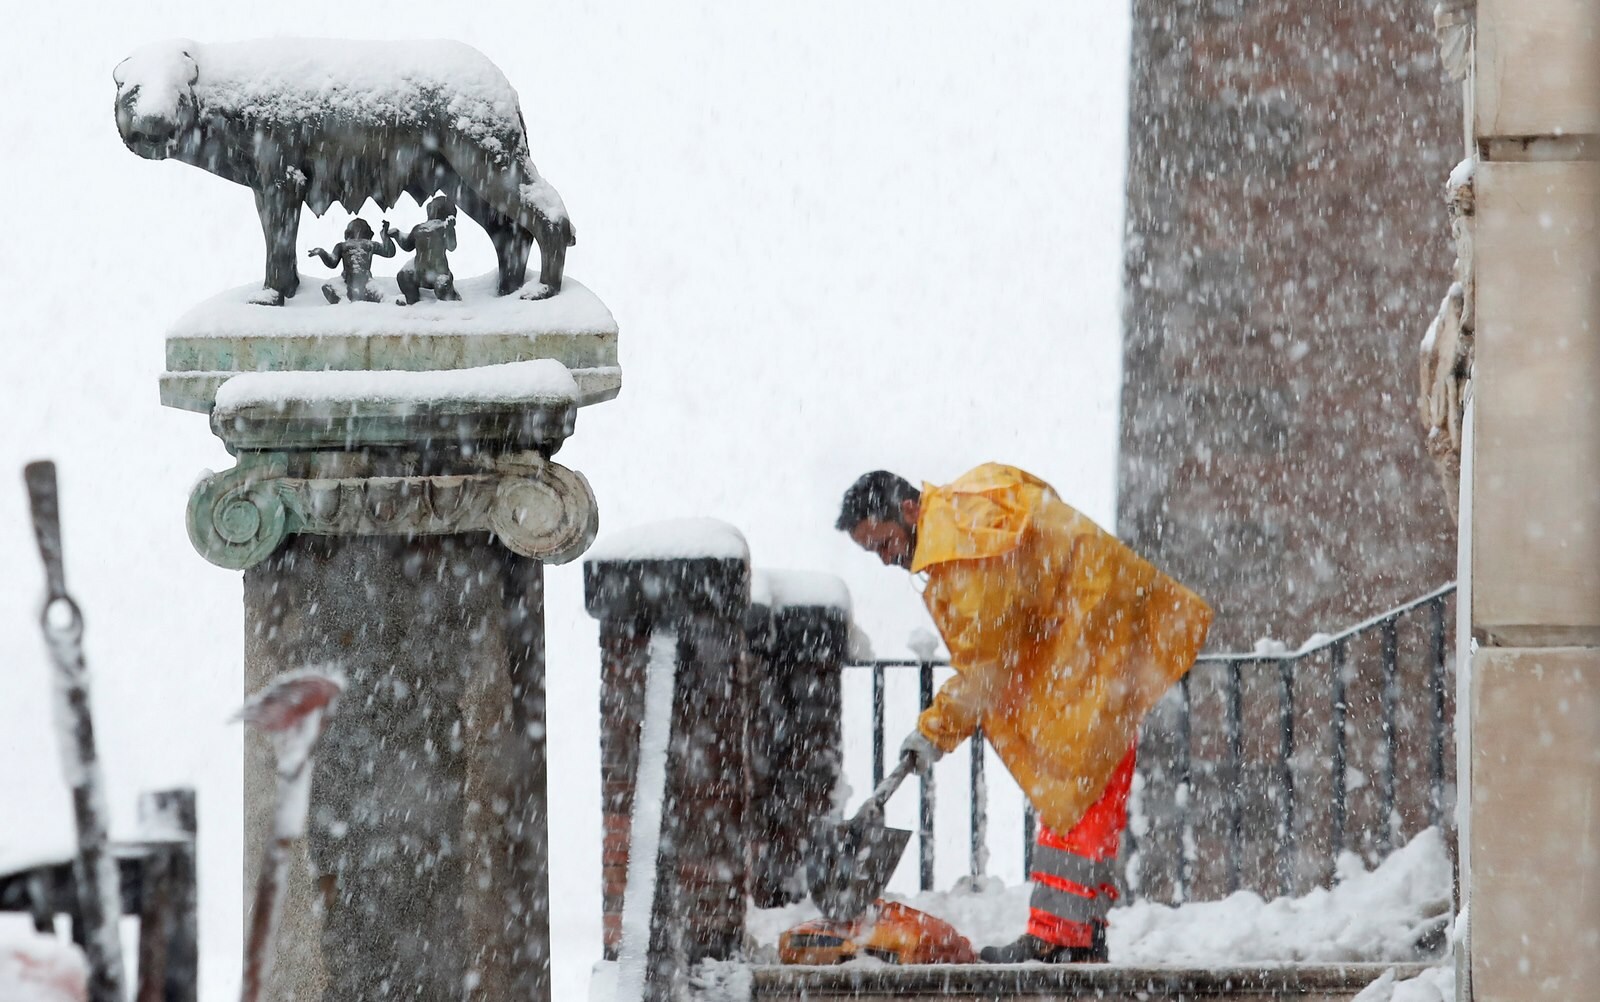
851 862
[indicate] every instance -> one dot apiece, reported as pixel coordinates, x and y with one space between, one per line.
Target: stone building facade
1287 245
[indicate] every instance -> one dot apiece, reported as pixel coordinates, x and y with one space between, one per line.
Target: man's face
890 540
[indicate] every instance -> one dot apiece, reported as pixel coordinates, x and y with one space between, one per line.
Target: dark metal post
925 820
1186 781
1286 834
1340 711
1436 683
1236 772
1391 739
877 725
1030 826
168 949
978 854
699 605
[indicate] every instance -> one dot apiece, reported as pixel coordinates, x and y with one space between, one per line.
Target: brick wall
1286 247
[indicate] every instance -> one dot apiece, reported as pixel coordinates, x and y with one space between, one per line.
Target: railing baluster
1236 775
1286 837
1337 658
1186 788
925 820
1436 684
1030 824
978 858
1234 769
877 725
1391 739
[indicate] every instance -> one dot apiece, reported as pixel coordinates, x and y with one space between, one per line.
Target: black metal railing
1268 775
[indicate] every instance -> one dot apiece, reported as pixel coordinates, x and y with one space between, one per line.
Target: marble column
398 535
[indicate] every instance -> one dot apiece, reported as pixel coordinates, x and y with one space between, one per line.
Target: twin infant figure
429 269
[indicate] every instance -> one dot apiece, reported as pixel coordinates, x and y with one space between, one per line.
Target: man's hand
921 752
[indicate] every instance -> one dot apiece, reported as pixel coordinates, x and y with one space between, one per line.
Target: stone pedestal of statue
392 524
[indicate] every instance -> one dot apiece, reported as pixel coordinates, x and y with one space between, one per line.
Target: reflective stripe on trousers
1075 874
1072 887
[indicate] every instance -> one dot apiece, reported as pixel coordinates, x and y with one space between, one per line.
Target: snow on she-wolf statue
313 122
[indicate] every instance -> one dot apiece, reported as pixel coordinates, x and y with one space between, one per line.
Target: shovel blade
850 864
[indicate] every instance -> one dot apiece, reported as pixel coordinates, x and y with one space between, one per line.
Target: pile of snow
575 310
1374 916
673 539
784 589
1436 984
540 380
35 968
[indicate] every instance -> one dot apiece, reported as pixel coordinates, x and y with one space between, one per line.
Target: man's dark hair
876 495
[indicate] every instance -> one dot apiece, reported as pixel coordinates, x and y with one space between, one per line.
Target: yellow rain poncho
1062 638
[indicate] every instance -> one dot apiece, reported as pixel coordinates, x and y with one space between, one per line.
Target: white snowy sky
836 236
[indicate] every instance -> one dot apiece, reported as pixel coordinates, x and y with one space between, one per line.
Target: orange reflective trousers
1074 875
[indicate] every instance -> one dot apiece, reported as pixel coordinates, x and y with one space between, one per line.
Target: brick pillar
799 639
701 887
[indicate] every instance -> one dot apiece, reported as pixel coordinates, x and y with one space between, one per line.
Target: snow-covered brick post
685 583
394 500
798 630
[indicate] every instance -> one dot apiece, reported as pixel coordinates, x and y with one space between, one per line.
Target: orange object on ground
889 931
1074 875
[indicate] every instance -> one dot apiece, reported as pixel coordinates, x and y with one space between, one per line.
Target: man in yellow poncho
1062 640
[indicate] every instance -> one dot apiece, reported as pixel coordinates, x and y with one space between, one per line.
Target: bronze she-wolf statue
313 122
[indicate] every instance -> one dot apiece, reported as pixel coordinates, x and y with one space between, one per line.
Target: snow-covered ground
1369 915
35 968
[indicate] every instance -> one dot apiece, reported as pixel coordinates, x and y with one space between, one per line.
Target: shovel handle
891 783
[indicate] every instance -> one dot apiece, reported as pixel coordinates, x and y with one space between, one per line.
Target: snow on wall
644 835
1367 916
480 312
36 968
673 539
542 379
784 589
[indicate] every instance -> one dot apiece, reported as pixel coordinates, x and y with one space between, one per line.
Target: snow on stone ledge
36 968
673 539
785 589
541 380
573 310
